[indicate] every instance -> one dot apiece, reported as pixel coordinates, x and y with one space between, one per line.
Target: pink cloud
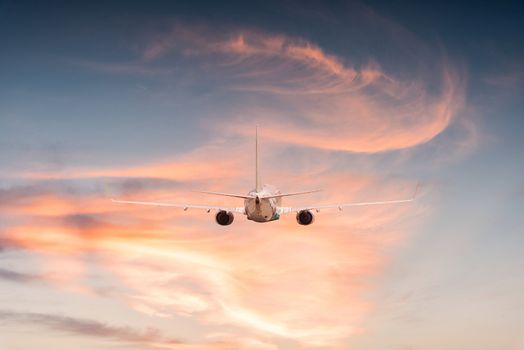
272 281
319 99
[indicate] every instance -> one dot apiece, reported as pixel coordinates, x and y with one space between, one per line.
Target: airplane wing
285 210
183 206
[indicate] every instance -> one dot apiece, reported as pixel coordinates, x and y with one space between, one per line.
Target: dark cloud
88 328
19 277
81 221
7 243
19 193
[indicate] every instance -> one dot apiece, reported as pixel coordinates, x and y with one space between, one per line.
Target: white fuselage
260 209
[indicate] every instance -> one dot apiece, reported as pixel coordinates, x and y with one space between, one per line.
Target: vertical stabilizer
257 179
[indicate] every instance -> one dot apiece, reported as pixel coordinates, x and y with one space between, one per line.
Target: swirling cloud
305 96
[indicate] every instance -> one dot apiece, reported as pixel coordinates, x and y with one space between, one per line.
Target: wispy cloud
88 328
306 96
286 284
18 277
150 338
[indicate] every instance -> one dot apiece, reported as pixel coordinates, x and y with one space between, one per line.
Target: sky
154 100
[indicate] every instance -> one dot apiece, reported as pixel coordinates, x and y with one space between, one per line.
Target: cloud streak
18 277
150 338
88 328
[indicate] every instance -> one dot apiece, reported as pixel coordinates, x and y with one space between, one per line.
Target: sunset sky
154 100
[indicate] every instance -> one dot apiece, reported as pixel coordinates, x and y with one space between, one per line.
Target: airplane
264 203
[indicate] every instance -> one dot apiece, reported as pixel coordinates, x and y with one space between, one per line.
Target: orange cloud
271 281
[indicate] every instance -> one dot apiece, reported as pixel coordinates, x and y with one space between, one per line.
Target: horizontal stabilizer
280 195
226 194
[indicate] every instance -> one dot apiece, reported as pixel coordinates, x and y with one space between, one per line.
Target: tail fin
257 180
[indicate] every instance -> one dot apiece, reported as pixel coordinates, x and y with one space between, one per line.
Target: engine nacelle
224 218
305 217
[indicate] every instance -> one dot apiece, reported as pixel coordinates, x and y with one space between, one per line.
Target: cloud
13 276
286 282
151 338
323 103
305 96
88 328
6 243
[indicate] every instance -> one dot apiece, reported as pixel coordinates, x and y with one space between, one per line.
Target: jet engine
305 217
224 218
